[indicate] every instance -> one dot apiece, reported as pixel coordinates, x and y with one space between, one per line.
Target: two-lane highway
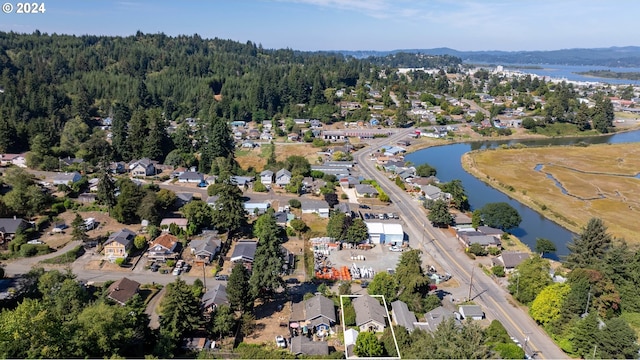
444 248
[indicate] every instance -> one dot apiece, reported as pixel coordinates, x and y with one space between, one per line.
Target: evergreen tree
106 189
439 214
589 247
180 310
267 266
238 289
126 209
120 131
229 213
79 229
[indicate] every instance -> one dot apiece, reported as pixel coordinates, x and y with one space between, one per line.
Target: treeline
612 74
592 312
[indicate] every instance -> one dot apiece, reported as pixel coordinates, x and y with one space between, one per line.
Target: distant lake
569 72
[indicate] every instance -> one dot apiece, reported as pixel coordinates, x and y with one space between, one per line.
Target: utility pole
204 276
586 309
470 284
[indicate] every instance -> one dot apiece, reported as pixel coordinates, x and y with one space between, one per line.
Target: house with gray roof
191 177
213 298
205 248
320 207
370 315
470 312
118 244
434 317
402 316
142 167
366 190
283 177
266 177
9 227
303 345
244 253
510 259
67 178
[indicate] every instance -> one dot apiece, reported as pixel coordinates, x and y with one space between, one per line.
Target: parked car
177 271
154 267
364 284
186 267
222 277
366 216
396 248
281 342
364 206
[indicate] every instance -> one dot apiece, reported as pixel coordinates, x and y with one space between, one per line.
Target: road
444 248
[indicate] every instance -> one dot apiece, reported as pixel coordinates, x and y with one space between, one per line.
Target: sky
310 25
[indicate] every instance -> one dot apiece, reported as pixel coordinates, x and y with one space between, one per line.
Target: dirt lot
105 225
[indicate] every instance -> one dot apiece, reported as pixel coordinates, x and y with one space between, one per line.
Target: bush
171 263
344 196
498 271
477 250
295 203
494 251
120 261
258 186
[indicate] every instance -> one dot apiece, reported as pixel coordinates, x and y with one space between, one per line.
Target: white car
177 271
281 342
396 248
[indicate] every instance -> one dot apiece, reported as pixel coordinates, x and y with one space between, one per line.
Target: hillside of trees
56 84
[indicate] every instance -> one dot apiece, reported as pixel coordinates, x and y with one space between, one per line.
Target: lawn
257 158
66 258
599 181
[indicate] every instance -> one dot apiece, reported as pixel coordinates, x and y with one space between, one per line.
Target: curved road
495 300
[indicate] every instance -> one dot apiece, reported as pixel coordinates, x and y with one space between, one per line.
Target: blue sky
352 24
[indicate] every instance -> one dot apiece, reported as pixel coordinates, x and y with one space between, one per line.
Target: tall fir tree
587 250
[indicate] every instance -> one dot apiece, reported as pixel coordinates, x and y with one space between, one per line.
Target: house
67 178
193 177
165 246
243 182
210 180
343 208
510 259
123 290
319 207
266 177
313 186
283 177
197 344
303 345
7 159
93 184
461 219
9 227
293 137
178 171
256 208
366 190
282 218
118 167
402 316
318 313
348 182
205 248
118 244
244 253
487 230
435 317
469 237
183 198
432 192
385 233
211 200
213 298
470 312
370 315
68 161
87 198
142 167
248 144
180 222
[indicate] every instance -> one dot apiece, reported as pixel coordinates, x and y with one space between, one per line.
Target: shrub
477 250
171 263
494 251
120 261
295 203
498 271
344 196
258 186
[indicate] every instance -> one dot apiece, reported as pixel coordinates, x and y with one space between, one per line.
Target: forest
53 83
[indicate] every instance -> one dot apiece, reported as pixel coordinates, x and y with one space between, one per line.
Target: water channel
446 159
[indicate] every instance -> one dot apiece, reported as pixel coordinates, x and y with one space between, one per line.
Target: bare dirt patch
272 319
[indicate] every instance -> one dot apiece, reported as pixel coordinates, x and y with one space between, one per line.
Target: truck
90 223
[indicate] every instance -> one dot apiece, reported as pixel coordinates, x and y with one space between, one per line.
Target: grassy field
599 181
257 158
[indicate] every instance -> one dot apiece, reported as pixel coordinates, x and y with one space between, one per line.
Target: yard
105 225
570 184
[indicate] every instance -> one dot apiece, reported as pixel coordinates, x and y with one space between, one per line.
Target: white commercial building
385 233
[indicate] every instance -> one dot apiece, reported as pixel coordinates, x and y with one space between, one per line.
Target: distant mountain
628 56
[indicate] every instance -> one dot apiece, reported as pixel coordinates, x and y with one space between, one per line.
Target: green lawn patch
66 258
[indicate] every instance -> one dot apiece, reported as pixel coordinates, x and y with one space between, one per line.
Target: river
446 159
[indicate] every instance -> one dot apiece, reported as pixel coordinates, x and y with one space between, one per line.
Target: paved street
443 248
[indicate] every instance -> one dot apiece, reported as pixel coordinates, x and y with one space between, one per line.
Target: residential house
87 198
282 218
165 246
293 137
211 200
7 159
183 198
118 244
67 178
248 144
197 344
243 182
475 237
393 165
180 222
244 252
266 177
211 179
470 312
256 208
118 167
123 290
406 174
487 230
93 184
313 186
266 136
318 313
303 345
370 315
366 190
348 182
283 177
253 134
9 227
143 167
510 259
193 177
68 161
204 249
461 219
402 316
434 317
213 298
20 161
434 193
319 207
344 208
347 164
